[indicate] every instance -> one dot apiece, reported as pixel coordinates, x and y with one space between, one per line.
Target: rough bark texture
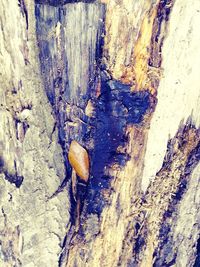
121 78
32 225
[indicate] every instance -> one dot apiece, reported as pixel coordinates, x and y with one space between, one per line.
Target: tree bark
121 78
32 225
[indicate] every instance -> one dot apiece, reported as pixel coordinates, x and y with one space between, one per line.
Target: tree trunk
121 78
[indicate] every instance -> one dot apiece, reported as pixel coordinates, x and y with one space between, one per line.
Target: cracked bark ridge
163 210
32 226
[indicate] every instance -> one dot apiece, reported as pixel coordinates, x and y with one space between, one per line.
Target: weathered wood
32 225
126 227
120 78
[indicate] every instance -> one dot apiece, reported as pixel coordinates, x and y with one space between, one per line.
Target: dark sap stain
95 201
116 107
45 51
164 231
101 33
139 243
37 12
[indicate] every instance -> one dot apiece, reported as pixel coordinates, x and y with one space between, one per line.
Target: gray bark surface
32 225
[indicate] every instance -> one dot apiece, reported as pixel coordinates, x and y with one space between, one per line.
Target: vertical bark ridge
31 226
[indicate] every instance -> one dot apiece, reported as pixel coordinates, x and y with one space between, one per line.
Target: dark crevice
139 243
24 11
162 18
58 90
61 2
12 178
65 247
197 261
166 246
